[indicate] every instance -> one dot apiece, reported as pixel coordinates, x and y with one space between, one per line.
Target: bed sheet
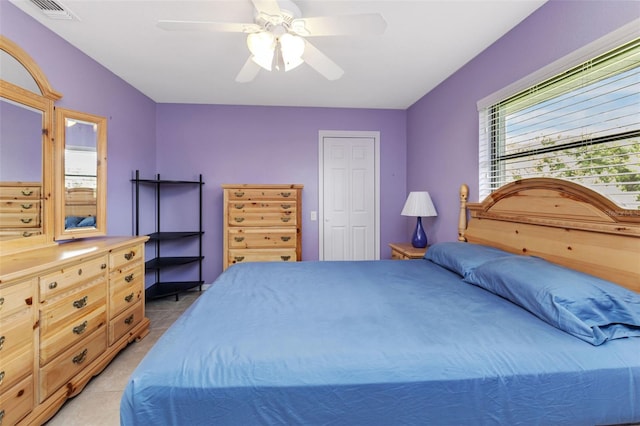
373 343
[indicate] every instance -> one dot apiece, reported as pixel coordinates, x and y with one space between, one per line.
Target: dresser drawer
20 220
127 256
16 402
124 322
67 278
15 366
263 207
20 206
126 289
20 192
262 219
72 307
10 234
16 333
57 339
262 255
262 194
240 238
15 297
71 362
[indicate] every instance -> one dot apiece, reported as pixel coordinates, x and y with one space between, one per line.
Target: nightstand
404 251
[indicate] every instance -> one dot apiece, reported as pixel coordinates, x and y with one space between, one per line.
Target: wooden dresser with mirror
71 297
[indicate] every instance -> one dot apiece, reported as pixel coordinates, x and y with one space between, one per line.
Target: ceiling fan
278 36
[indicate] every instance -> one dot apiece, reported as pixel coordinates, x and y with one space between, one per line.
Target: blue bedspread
373 343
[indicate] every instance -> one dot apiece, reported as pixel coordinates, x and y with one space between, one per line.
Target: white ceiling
425 42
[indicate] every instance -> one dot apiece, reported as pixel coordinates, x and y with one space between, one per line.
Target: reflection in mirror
81 191
20 171
20 142
80 173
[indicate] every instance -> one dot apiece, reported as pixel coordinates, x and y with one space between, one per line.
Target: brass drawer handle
129 278
79 271
239 258
79 359
238 239
80 303
128 298
103 266
27 206
2 340
79 329
26 219
1 302
129 256
53 285
285 219
128 320
239 206
26 234
286 194
27 192
285 239
1 416
285 258
238 194
285 206
1 376
239 219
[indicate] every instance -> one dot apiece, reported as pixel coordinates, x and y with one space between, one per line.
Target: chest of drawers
20 209
66 311
262 223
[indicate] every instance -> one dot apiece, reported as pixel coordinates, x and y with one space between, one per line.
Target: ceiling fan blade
364 24
269 7
225 27
248 72
321 62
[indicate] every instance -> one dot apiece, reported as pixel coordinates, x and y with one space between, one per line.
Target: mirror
81 174
26 168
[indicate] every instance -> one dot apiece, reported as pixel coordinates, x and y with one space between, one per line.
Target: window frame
488 107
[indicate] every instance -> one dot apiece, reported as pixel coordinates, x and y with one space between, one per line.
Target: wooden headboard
560 221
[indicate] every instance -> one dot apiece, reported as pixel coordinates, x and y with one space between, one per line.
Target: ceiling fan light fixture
292 48
262 47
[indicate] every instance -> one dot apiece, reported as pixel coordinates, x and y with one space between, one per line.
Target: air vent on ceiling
52 9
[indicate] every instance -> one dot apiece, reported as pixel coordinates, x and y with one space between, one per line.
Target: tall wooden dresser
20 209
262 223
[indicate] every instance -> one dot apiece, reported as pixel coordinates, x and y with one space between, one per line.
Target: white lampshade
419 204
262 46
292 48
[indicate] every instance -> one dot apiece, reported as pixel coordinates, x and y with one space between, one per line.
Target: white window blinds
582 125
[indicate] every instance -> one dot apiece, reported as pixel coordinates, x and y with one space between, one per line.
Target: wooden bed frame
560 221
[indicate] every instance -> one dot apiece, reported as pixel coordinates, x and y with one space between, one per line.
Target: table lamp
419 204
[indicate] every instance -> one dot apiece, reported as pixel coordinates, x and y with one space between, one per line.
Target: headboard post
462 220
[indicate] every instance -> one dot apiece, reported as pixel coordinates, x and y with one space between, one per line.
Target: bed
533 317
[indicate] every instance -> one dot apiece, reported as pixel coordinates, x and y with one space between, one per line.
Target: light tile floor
99 403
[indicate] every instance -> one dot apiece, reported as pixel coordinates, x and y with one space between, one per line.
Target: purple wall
20 161
442 127
89 87
243 144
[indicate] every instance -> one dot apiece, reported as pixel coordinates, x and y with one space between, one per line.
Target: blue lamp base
419 239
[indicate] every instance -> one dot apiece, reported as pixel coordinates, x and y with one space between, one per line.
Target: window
581 125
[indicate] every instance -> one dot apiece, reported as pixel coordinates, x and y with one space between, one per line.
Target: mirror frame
44 102
62 233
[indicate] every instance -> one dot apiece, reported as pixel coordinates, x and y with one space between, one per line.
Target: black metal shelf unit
161 238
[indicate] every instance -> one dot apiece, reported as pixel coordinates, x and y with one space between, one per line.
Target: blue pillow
72 221
582 305
88 221
462 257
